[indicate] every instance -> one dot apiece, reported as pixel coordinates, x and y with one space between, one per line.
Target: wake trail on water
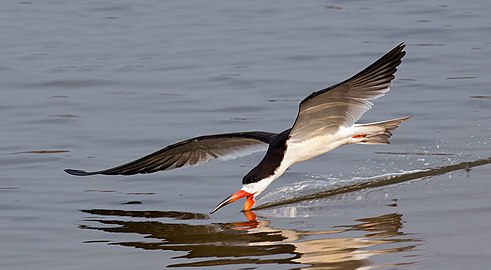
317 189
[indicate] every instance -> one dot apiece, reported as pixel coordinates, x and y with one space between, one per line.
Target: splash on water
314 184
312 190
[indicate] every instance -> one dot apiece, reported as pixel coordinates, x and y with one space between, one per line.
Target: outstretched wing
342 104
191 152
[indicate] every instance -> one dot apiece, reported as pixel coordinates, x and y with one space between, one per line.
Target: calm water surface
93 84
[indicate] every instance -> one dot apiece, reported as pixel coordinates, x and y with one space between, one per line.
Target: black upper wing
192 152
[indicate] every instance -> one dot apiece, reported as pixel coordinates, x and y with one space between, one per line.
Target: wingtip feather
78 172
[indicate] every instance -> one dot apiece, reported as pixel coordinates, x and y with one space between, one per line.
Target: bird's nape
234 197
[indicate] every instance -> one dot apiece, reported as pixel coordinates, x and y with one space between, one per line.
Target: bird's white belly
297 152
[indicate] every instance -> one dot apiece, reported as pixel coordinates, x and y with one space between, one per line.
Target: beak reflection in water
254 242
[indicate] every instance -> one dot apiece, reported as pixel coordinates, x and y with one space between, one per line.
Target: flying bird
326 119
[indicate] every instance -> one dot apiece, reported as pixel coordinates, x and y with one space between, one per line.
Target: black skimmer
326 120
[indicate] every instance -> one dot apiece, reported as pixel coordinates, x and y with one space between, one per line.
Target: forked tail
378 132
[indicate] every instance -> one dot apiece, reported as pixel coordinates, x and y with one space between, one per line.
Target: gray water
93 84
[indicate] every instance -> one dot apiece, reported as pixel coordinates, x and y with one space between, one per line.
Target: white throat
261 185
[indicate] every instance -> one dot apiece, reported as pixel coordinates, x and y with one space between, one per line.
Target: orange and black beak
234 197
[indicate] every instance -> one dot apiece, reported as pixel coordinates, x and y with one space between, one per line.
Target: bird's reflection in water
254 241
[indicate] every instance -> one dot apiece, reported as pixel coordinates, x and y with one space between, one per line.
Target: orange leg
360 136
249 203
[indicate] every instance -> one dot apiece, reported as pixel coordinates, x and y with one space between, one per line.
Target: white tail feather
378 132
